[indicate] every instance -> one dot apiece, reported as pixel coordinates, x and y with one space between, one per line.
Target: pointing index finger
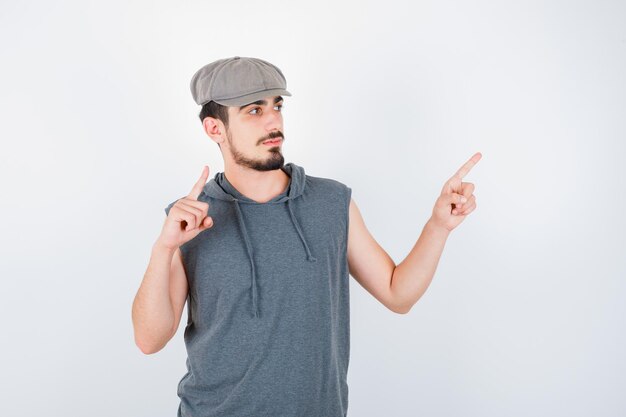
468 165
199 185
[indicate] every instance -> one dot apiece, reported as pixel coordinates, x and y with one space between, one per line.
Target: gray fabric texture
237 81
268 326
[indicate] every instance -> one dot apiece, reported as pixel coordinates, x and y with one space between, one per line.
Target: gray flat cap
237 81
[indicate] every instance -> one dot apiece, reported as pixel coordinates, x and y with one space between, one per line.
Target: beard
274 160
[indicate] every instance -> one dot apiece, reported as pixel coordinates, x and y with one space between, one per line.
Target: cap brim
252 97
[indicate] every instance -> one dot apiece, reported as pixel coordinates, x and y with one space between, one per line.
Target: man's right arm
159 302
158 305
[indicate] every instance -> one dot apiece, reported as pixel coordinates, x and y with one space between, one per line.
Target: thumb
207 223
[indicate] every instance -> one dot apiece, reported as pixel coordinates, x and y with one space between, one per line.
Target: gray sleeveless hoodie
268 328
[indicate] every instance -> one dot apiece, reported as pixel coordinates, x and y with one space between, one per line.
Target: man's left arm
399 287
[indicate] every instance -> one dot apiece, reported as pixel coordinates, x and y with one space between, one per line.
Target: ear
214 128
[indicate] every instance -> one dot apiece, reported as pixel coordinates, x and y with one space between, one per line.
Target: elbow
146 350
144 347
149 341
401 309
395 304
399 306
149 348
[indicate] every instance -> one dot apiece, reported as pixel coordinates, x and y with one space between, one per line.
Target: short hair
215 110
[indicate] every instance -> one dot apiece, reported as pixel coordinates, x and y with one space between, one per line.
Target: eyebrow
261 102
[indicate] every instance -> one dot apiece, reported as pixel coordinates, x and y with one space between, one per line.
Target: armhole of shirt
348 191
348 198
169 206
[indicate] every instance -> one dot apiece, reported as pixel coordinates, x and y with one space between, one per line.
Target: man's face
251 125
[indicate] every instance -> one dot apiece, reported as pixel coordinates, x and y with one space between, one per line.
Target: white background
525 315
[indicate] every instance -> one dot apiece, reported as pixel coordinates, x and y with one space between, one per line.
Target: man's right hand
187 217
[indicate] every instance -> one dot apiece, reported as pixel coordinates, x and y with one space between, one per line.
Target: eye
279 106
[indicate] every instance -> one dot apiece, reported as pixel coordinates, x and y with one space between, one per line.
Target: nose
274 121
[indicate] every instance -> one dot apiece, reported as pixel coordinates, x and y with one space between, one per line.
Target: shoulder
334 194
326 185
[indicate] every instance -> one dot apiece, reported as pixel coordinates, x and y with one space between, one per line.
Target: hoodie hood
220 188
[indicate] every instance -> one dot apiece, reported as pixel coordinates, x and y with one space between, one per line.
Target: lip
273 142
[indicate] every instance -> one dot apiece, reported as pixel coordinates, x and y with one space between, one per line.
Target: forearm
413 275
152 312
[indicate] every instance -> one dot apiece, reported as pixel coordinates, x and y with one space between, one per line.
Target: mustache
273 135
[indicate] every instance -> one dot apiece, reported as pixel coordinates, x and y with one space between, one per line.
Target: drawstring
249 248
310 256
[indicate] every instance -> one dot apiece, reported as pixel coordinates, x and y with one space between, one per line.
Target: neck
260 186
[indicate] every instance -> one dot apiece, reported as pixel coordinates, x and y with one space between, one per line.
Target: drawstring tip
312 258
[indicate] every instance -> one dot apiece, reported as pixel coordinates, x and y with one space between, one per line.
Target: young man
262 254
